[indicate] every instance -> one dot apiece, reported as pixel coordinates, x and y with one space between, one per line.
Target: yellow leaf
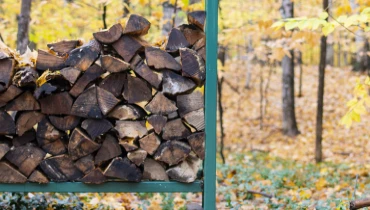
352 102
320 183
359 108
291 25
305 194
323 15
327 29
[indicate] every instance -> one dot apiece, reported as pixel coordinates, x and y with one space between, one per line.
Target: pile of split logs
114 108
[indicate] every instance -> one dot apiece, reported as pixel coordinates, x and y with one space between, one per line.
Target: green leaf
323 15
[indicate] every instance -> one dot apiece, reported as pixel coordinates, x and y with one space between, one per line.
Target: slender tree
126 5
289 120
23 26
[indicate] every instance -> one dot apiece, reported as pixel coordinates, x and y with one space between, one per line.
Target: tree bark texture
23 26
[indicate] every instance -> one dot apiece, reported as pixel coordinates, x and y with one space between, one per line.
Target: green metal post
209 192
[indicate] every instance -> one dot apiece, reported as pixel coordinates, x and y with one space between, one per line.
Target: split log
172 152
131 129
64 47
65 123
137 156
135 61
26 158
109 149
71 74
197 18
27 137
160 104
4 148
89 75
27 120
10 175
201 43
186 171
86 105
195 119
96 176
106 100
158 122
2 88
128 144
56 104
175 129
154 171
47 133
48 61
38 177
127 112
80 145
127 47
150 143
123 169
60 169
114 83
192 65
192 33
109 36
113 65
45 89
176 40
9 95
81 58
172 115
174 84
154 78
160 59
25 78
56 147
96 127
189 102
137 25
197 144
7 124
24 102
202 53
85 164
136 90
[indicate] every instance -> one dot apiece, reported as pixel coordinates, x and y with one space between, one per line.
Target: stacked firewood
115 108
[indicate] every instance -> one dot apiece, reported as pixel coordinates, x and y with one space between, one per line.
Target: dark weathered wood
26 158
127 47
65 123
186 171
131 129
175 129
44 90
176 40
172 115
123 169
109 36
106 100
109 149
172 152
26 121
45 130
85 164
25 78
136 90
128 144
114 83
56 104
24 102
49 61
174 84
112 64
6 71
64 46
71 74
189 102
150 143
160 104
7 124
2 88
192 33
195 119
9 95
91 74
197 144
154 78
4 148
27 137
86 105
10 175
158 122
154 171
127 112
192 65
160 59
38 177
200 44
60 169
137 59
137 156
197 18
96 176
82 57
56 147
96 127
80 145
137 25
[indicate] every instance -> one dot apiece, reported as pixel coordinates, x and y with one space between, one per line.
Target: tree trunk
289 120
23 26
300 62
126 5
320 93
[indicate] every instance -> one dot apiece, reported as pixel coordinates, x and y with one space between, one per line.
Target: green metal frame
208 185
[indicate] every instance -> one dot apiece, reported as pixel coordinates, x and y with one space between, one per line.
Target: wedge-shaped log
158 122
202 53
4 148
128 144
127 112
192 33
123 169
160 104
27 137
150 143
106 100
160 59
65 123
176 40
86 105
80 145
95 176
9 95
60 169
44 90
186 171
154 78
131 129
71 74
90 75
137 25
45 130
112 64
197 18
154 171
10 175
175 129
172 115
82 57
195 119
135 61
200 44
26 158
49 61
127 47
109 36
114 83
7 124
196 142
24 102
174 84
108 150
172 152
64 47
57 147
6 71
96 127
192 65
85 164
189 102
25 77
137 156
136 90
26 121
38 177
56 104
